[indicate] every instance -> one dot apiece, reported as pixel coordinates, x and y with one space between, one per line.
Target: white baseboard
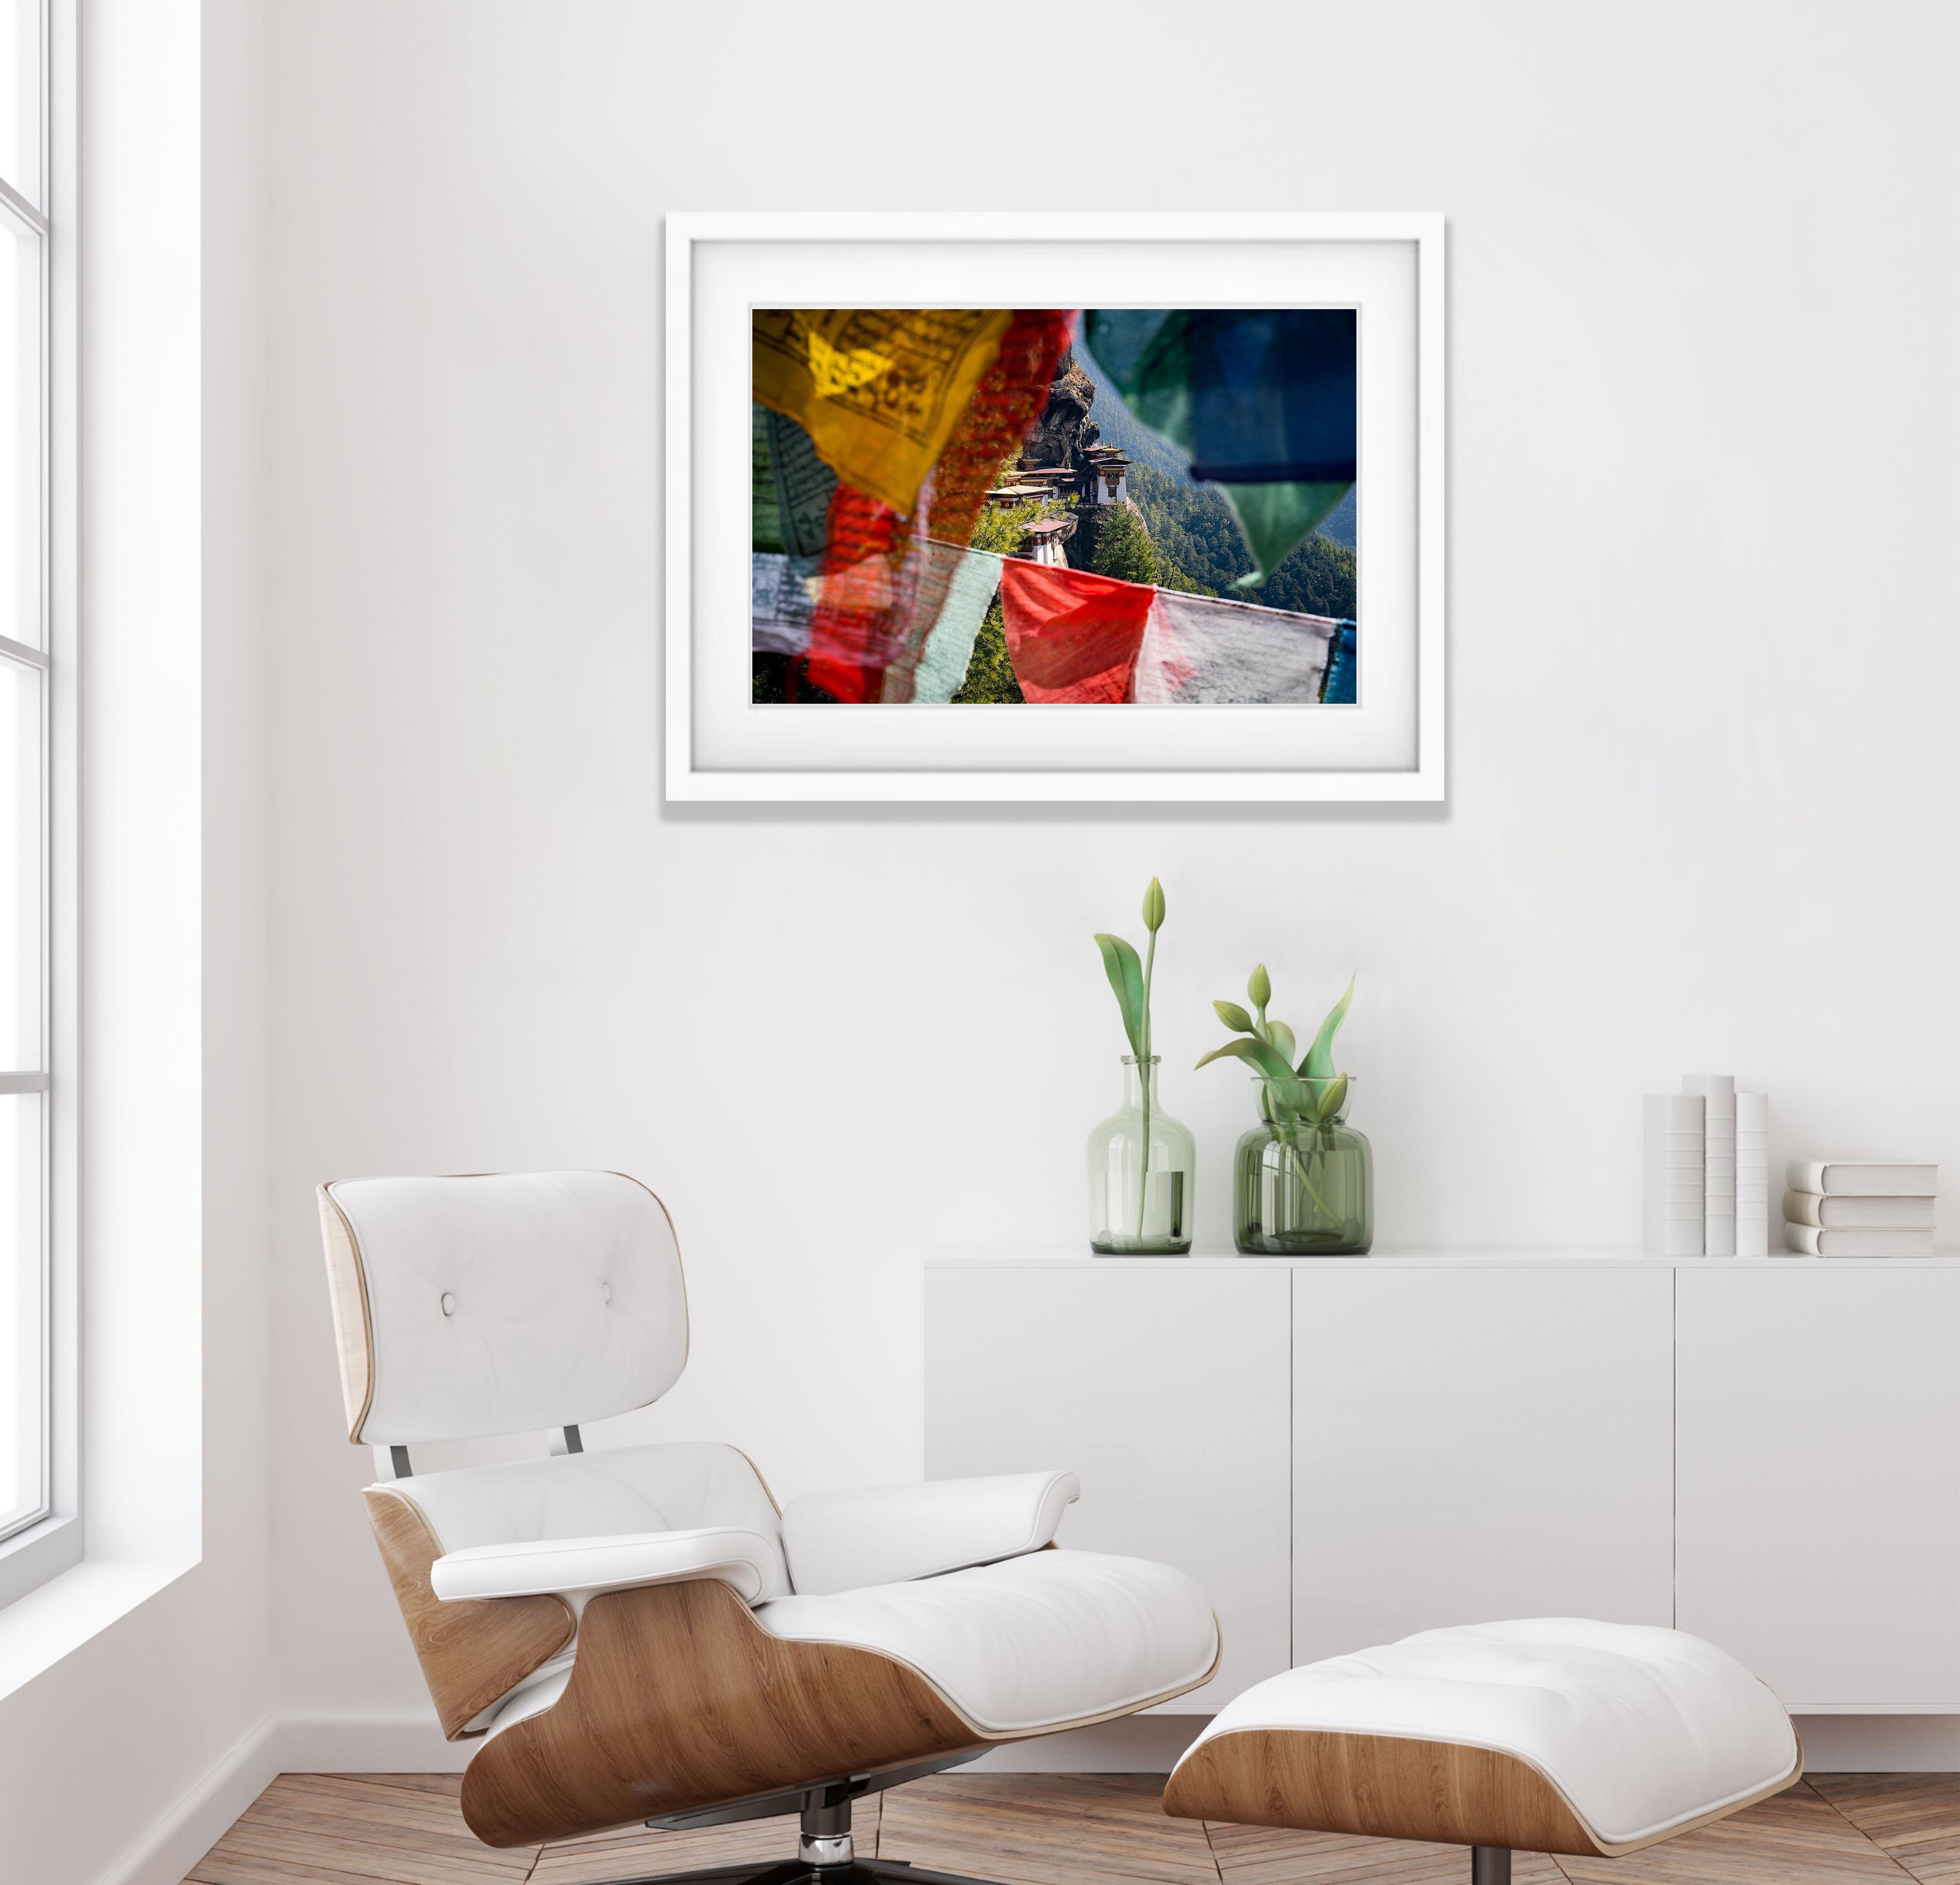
1880 1743
410 1743
406 1742
199 1820
1138 1744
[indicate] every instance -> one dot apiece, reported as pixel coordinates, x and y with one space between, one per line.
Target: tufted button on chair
639 1633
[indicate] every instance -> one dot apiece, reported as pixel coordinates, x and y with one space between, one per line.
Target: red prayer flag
1072 636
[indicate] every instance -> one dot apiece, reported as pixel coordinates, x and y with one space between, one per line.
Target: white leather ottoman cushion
1643 1730
1034 1643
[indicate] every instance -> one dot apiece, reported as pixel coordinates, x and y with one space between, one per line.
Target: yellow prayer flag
879 389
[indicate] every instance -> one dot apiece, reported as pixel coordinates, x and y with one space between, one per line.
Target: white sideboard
1341 1451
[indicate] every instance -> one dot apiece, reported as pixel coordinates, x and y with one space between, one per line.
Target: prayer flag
1339 688
766 529
933 668
872 563
1203 648
802 485
781 602
1276 519
1147 351
1273 395
1073 637
880 390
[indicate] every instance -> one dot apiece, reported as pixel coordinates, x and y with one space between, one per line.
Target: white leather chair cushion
625 1492
546 1567
1038 1642
885 1534
1642 1730
513 1302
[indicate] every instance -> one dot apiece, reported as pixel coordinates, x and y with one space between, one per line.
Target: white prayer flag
1204 649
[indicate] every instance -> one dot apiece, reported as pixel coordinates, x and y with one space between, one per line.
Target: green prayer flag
949 649
804 486
766 530
1147 351
1276 519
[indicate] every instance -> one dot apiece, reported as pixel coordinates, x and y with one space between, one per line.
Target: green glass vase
1141 1162
1300 1189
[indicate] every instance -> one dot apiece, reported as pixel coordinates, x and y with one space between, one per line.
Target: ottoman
1549 1735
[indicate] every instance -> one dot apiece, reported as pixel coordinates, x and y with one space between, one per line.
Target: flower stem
1291 1142
1144 1072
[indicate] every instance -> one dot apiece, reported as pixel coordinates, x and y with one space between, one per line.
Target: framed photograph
1116 506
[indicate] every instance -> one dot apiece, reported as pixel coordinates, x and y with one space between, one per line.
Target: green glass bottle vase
1302 1189
1140 1206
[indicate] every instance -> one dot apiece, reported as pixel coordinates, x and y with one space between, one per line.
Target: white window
33 662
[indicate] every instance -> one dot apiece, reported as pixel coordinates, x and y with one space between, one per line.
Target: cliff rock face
1065 428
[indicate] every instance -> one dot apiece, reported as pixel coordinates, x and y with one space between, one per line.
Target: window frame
38 1548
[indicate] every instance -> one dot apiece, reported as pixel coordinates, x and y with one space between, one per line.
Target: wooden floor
1073 1829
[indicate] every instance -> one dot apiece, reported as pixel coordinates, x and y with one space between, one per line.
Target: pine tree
1123 546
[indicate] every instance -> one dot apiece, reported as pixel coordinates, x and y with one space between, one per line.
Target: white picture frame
1387 745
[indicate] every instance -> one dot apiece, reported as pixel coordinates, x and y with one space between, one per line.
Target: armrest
563 1567
891 1534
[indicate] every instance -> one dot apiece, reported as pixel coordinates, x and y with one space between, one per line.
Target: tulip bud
1260 987
1233 1016
1154 907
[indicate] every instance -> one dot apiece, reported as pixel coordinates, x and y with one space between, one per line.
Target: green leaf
1154 907
1328 1097
1260 987
1253 1053
1244 1050
1124 968
1233 1016
1281 1037
1318 1064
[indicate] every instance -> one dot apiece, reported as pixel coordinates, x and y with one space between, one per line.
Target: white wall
1703 666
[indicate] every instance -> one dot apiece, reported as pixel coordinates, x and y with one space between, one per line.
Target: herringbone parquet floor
1073 1830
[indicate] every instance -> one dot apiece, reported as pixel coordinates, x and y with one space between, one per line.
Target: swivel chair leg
1490 1865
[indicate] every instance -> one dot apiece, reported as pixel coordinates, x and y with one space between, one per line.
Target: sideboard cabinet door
1819 1506
1165 1385
1478 1442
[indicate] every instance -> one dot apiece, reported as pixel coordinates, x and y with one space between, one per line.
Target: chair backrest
500 1303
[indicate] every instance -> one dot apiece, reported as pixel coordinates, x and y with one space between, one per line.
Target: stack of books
1707 1174
1861 1208
1676 1197
1752 1174
1718 1165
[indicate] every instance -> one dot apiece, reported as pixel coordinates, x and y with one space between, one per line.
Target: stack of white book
1676 1198
1707 1171
1752 1174
1873 1207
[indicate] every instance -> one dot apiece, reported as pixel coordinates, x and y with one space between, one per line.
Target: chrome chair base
796 1872
825 1854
